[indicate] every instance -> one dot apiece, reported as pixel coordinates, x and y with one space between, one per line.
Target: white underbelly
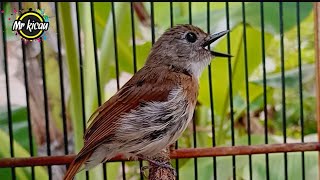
148 129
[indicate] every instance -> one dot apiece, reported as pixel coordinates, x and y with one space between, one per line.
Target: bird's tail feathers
75 167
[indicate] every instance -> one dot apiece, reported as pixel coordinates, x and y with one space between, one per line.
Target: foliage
20 145
104 35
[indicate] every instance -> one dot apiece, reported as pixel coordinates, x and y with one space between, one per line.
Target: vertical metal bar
264 87
152 23
214 159
230 92
283 86
317 69
115 43
63 108
25 73
133 38
95 53
194 120
96 62
117 67
177 143
135 63
300 87
247 83
46 108
5 58
81 75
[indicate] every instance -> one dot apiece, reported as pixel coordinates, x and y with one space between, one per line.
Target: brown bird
155 106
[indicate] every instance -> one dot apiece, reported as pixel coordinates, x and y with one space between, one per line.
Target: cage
257 114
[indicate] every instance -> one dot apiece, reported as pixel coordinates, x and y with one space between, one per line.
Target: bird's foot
159 164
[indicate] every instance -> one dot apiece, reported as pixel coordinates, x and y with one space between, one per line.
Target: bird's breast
154 125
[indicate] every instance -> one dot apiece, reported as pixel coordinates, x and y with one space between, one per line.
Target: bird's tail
75 166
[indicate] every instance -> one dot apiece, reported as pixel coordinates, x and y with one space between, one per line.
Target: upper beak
211 39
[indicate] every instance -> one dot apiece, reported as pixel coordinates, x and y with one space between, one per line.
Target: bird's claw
159 164
164 165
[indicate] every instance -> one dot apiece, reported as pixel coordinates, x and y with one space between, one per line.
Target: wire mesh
145 16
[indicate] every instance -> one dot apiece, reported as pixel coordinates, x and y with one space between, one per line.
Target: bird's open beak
211 39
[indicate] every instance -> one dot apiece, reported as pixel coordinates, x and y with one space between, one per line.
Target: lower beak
212 38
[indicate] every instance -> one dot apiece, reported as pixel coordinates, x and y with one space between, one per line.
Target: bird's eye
191 37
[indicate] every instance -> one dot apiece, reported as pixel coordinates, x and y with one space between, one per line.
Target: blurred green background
259 47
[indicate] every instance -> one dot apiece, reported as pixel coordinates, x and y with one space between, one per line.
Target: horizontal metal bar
175 154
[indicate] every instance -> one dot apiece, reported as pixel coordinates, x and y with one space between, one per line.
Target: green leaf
142 53
8 14
101 14
114 168
253 15
181 12
272 15
19 126
220 71
276 162
203 123
90 87
19 151
291 77
255 140
224 167
72 61
53 90
106 58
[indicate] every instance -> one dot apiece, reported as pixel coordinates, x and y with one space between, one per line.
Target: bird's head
185 46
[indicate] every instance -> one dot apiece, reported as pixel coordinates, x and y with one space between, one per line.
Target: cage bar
63 108
300 88
46 105
247 84
214 159
26 82
283 92
180 153
117 67
230 91
195 152
81 75
265 113
134 62
5 58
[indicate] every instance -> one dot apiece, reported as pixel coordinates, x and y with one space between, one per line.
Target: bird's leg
161 164
157 163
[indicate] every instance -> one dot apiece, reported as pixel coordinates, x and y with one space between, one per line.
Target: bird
153 108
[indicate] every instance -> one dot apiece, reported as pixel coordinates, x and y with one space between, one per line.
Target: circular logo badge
30 25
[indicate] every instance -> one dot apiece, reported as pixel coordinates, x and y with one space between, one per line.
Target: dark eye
191 37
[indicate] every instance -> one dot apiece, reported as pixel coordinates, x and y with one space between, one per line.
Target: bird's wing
140 88
148 84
